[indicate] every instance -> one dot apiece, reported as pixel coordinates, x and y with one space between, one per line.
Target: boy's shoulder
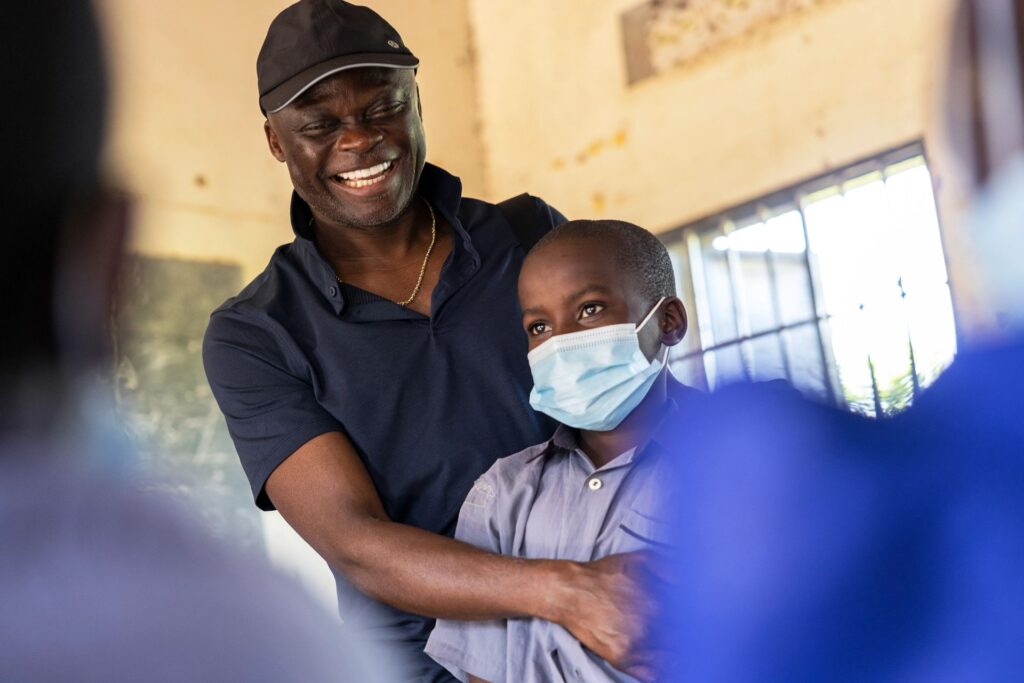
511 469
497 494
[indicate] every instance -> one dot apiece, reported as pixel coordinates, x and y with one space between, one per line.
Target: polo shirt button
595 484
333 291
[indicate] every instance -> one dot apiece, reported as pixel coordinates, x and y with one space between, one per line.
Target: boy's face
575 284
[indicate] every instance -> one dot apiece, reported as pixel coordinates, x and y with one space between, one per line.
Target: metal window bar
773 284
700 297
824 352
684 285
752 337
739 301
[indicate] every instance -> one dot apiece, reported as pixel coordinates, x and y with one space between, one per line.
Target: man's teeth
364 176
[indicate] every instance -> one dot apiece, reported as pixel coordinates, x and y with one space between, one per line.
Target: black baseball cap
313 39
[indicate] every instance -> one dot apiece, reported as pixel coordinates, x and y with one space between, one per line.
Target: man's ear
673 321
419 102
272 141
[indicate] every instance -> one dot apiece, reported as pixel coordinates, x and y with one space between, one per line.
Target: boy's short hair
639 252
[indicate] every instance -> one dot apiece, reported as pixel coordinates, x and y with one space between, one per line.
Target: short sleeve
556 216
474 647
270 408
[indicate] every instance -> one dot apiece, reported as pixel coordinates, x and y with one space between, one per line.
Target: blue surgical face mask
595 378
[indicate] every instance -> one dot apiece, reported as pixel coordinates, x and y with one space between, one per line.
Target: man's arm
325 493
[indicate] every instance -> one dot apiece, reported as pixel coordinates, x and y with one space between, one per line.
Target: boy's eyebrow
589 289
573 296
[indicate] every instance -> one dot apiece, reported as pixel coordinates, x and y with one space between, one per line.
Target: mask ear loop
664 361
643 323
650 315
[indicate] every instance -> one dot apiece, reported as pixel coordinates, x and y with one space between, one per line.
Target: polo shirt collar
316 267
444 192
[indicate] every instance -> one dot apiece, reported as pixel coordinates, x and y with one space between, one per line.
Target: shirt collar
663 427
444 192
566 439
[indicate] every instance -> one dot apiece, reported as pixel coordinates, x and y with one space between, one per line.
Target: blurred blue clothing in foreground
101 579
822 546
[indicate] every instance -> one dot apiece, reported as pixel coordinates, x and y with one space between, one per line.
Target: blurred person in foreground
821 546
97 581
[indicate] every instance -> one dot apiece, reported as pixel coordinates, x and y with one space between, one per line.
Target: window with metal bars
838 285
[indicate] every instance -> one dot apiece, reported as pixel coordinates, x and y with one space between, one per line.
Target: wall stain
670 34
594 148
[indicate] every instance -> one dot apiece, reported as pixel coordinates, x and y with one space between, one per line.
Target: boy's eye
537 329
588 310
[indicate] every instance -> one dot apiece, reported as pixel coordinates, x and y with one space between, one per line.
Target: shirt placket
592 491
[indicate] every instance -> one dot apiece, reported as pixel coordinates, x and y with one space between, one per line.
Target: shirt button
595 484
332 291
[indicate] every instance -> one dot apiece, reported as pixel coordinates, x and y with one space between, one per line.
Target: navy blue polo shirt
428 402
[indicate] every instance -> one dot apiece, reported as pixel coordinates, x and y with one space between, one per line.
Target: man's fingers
618 627
650 664
644 672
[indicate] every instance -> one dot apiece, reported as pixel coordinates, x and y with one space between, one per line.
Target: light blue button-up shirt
549 502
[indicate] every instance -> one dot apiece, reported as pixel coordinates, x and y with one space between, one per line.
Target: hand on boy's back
614 623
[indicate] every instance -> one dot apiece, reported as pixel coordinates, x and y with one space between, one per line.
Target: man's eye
317 127
588 310
536 329
386 110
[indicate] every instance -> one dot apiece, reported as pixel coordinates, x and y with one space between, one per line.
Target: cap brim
286 93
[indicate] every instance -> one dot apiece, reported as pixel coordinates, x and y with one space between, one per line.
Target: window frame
685 241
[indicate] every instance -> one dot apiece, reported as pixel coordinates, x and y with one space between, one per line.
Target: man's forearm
325 493
433 575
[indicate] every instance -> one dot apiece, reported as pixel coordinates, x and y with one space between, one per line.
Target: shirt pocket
638 531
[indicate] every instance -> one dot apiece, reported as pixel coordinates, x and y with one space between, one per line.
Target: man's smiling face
354 145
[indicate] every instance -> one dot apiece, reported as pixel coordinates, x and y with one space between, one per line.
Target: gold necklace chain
426 259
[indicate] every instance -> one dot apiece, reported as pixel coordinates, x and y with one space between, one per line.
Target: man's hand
609 608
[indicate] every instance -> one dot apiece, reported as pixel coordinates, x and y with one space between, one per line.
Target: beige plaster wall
793 99
818 89
186 132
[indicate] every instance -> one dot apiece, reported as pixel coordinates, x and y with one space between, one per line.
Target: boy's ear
673 321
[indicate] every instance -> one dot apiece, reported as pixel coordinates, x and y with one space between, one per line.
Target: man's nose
359 139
